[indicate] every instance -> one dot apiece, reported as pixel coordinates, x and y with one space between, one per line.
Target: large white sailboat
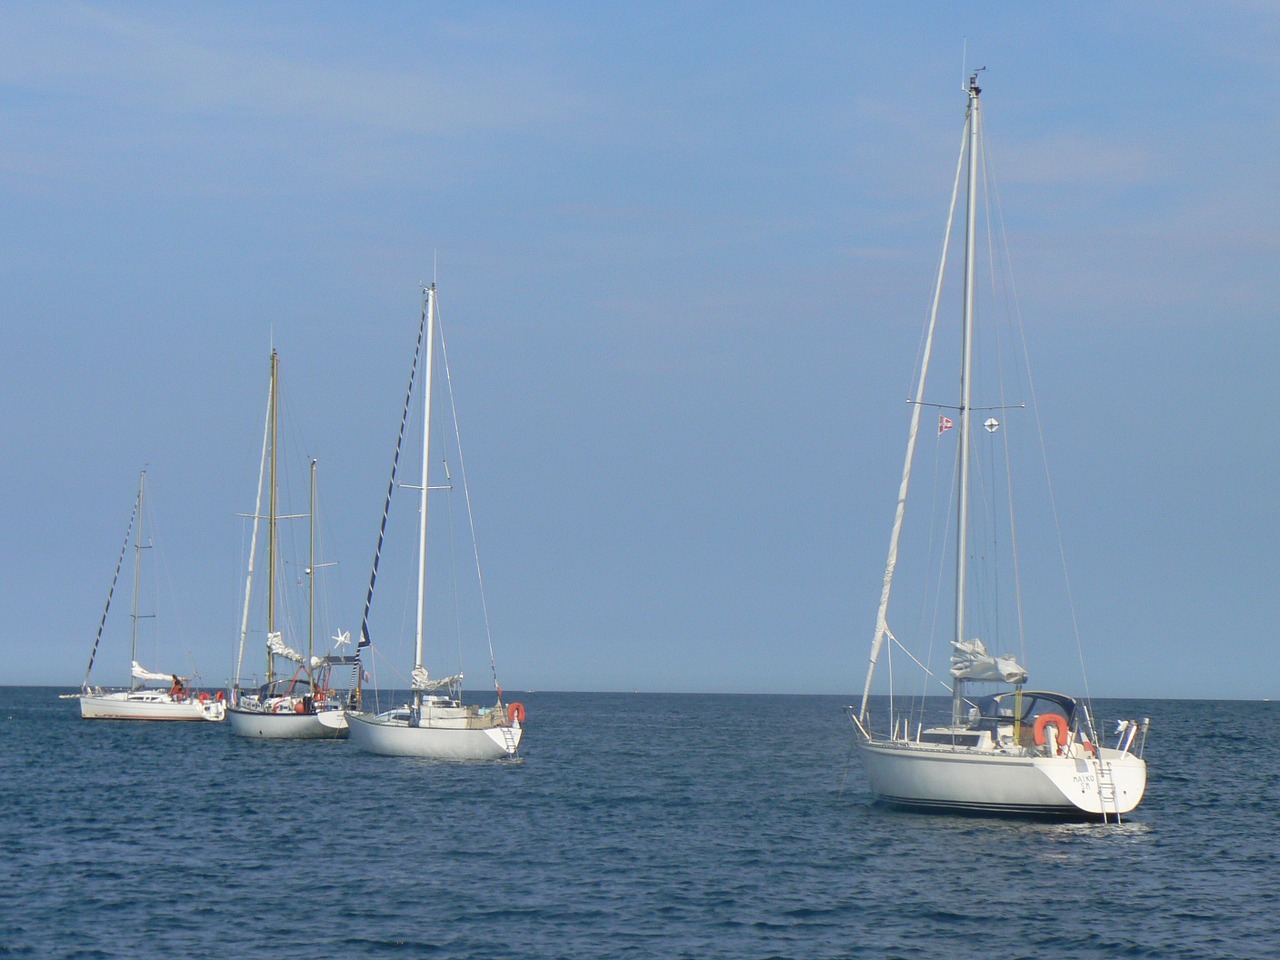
435 723
176 699
296 700
1005 749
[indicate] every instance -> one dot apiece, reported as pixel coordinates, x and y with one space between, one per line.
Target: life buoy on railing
1054 719
204 697
218 696
515 712
299 707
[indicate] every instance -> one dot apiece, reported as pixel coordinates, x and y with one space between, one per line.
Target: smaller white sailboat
296 701
176 699
435 724
1013 750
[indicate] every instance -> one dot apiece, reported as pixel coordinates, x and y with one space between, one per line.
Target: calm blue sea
636 826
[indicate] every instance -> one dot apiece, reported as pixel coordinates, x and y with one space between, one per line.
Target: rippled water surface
636 826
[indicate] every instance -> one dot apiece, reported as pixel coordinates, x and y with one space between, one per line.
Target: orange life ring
204 697
1059 721
299 707
515 712
218 697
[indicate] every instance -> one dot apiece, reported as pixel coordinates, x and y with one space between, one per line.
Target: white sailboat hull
390 734
935 776
148 705
260 725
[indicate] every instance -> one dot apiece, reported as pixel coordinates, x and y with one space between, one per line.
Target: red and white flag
944 424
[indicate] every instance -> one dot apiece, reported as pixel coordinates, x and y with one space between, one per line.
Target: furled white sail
141 673
971 661
276 646
882 622
422 680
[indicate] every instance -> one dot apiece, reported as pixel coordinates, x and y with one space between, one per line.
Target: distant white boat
296 701
436 723
176 700
1013 750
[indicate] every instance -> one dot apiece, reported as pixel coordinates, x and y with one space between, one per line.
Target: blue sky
684 251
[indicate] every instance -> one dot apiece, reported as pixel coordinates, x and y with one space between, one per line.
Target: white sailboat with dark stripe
175 699
1005 749
435 723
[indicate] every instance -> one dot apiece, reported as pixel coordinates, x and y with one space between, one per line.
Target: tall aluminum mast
422 503
272 516
966 385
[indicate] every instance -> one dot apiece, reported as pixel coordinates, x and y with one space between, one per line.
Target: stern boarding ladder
509 738
1107 790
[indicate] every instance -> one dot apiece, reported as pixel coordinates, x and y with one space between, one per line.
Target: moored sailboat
1013 750
296 701
435 723
176 700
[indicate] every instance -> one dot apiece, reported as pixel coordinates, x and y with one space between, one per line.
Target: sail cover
970 661
276 646
142 673
422 680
